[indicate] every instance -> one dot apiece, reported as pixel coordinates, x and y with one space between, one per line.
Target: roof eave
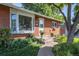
13 6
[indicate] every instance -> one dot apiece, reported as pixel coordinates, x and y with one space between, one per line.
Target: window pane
25 23
54 24
41 25
13 22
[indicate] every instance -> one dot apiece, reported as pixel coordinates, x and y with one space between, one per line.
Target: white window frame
17 23
27 31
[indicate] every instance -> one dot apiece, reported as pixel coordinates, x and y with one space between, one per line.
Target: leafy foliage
66 49
30 50
63 39
21 47
4 37
19 43
44 8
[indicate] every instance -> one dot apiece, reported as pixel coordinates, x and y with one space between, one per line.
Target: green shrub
76 40
29 50
63 39
4 37
19 43
21 47
30 40
66 49
4 34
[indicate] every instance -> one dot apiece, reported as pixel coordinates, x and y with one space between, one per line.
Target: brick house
22 21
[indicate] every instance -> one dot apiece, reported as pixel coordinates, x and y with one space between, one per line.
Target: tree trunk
70 37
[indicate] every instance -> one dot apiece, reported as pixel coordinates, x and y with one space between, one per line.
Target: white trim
17 21
43 24
27 31
11 19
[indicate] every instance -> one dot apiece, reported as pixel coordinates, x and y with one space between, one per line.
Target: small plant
41 33
52 34
30 35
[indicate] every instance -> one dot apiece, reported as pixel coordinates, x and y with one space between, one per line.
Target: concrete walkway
46 49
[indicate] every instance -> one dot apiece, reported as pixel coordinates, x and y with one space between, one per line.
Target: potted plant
41 33
51 34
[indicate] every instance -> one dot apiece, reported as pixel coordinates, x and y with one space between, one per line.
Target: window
41 24
54 24
25 23
13 22
21 24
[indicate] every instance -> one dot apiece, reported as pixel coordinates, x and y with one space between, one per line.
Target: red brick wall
36 28
19 36
47 27
4 16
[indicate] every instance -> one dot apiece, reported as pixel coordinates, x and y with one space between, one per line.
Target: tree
72 30
43 8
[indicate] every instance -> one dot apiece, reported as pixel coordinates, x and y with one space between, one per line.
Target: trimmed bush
21 47
4 37
66 49
29 50
19 43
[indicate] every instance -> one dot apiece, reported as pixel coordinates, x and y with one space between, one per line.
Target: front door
41 25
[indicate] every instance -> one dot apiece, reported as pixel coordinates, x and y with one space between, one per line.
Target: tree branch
66 22
69 15
76 21
77 32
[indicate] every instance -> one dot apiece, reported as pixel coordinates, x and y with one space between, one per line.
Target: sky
64 9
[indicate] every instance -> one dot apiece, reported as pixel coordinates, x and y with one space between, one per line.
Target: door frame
39 24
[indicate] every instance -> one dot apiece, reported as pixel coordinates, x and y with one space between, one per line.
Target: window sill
25 32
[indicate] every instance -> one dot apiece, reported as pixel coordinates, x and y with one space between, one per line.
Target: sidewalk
46 49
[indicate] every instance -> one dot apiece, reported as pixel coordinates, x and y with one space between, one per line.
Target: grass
24 47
